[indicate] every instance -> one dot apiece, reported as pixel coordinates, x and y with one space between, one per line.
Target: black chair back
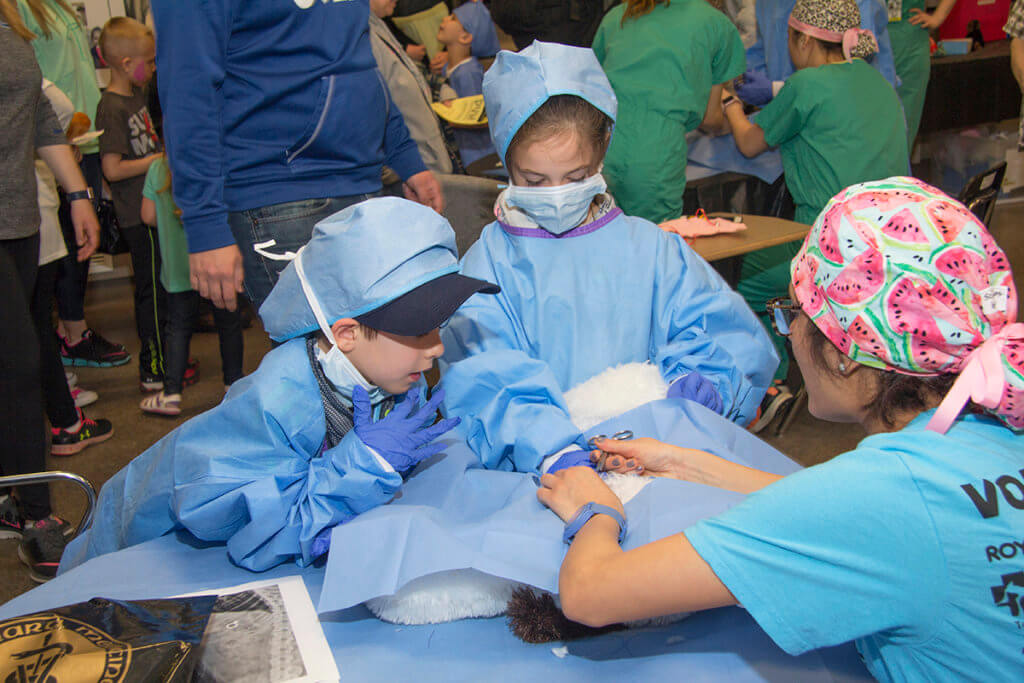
981 192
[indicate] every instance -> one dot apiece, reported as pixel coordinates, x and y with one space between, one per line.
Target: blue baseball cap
387 262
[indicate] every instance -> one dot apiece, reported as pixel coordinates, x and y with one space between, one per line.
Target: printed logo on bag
48 648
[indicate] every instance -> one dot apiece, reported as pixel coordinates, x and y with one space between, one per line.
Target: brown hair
120 38
560 114
896 393
44 15
638 8
11 17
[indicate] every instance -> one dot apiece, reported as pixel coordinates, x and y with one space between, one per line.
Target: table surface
761 232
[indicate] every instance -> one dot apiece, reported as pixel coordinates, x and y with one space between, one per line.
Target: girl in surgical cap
667 62
836 122
584 286
902 312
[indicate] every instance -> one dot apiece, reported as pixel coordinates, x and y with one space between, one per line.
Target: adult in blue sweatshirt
275 117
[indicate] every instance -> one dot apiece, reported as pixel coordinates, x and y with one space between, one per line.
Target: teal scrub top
66 60
911 54
836 125
662 66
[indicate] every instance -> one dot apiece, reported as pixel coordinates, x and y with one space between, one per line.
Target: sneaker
89 432
191 375
92 351
72 379
775 401
162 404
83 397
151 366
42 544
10 518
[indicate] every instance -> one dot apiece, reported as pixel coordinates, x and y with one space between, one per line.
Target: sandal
162 404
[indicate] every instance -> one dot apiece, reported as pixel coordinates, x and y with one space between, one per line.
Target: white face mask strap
314 303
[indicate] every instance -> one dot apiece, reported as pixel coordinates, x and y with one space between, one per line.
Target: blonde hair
11 17
44 15
638 8
120 37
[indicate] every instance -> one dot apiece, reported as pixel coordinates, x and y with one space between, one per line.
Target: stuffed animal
534 615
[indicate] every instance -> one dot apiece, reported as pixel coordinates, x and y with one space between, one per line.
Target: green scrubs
65 59
662 66
835 125
912 56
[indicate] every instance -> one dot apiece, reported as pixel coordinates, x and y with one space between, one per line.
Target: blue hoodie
272 101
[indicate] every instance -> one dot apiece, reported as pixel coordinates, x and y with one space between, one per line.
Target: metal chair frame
49 477
981 192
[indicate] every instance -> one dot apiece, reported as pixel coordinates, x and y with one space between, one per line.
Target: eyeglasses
782 311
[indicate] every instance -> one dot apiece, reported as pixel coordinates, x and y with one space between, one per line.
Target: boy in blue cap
331 420
468 33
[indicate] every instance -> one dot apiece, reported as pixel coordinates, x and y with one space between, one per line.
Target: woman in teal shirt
666 63
902 313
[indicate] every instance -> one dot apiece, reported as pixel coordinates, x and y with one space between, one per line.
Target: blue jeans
289 225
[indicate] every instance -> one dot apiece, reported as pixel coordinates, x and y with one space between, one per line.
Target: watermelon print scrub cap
900 277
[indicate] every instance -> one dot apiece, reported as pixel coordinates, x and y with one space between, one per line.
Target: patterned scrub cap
901 277
834 21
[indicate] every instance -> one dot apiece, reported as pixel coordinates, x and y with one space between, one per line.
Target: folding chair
981 192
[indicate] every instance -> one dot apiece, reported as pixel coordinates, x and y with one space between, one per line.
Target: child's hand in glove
403 437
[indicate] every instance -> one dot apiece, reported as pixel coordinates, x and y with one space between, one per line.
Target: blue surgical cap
475 18
518 83
358 260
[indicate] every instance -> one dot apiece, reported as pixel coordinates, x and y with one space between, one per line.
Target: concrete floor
109 310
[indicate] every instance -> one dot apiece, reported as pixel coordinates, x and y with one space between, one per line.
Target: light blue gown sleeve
512 408
702 325
265 496
875 17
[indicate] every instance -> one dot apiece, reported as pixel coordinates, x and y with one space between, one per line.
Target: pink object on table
701 226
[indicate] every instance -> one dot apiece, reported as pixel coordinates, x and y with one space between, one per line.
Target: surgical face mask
557 209
345 376
337 367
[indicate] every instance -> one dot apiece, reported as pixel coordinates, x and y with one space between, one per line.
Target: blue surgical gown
770 54
616 291
248 472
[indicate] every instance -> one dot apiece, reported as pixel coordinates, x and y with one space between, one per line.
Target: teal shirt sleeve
835 552
731 60
785 116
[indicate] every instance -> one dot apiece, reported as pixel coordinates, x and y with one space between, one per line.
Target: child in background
182 301
836 121
467 32
330 421
128 146
584 286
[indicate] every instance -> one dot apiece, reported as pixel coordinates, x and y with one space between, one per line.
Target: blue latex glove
755 88
403 436
698 388
572 459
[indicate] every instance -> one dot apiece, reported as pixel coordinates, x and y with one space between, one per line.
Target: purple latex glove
322 541
754 88
698 388
572 459
403 436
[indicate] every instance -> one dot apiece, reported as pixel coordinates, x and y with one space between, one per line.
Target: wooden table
761 232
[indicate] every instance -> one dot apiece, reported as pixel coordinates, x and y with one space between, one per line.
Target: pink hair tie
982 379
852 37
